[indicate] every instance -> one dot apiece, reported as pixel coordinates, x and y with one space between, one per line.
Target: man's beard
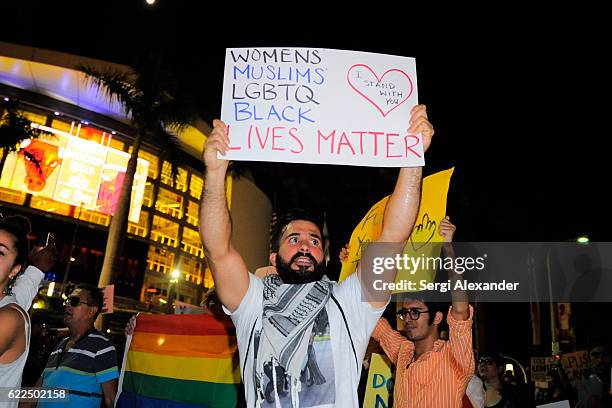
302 274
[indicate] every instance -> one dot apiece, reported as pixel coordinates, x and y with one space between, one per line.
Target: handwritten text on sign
309 105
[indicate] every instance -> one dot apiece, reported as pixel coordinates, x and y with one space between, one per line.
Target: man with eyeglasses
430 372
84 363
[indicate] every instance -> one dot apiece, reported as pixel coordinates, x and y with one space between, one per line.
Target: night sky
516 97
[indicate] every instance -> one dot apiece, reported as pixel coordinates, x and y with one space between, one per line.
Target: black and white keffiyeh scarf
289 313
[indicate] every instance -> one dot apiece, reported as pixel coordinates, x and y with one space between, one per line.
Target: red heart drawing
372 93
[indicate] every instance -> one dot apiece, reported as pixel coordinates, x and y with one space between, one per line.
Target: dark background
518 97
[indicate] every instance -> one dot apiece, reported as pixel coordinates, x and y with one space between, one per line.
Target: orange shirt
439 377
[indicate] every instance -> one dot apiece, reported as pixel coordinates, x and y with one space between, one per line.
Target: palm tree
157 106
14 128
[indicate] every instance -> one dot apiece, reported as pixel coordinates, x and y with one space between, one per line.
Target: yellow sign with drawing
425 232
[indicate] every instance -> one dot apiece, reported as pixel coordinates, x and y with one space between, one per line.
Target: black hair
283 221
499 360
94 296
19 227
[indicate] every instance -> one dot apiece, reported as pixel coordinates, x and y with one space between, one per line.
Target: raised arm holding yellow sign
431 211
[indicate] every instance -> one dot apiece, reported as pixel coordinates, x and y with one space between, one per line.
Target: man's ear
438 318
273 258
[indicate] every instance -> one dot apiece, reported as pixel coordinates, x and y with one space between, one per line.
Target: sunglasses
74 301
412 312
486 361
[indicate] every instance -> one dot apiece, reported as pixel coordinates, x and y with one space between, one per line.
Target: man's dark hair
94 296
283 221
435 307
499 361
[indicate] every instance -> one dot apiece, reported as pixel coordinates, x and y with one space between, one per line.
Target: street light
583 239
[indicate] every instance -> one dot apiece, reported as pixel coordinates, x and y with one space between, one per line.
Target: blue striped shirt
91 361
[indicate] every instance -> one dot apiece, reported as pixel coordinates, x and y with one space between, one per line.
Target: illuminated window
196 184
34 117
48 205
192 213
160 260
147 197
141 228
169 203
192 269
64 126
153 162
151 158
208 279
181 178
12 196
191 242
93 134
93 217
116 144
164 231
7 194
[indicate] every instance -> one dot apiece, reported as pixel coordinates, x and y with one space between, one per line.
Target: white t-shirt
335 381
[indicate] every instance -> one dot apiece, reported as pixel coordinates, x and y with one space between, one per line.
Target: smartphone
50 237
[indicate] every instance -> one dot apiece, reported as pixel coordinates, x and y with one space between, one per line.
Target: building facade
68 181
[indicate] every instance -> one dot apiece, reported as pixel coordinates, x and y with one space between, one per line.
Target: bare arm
10 320
26 286
460 309
40 260
109 390
229 271
403 205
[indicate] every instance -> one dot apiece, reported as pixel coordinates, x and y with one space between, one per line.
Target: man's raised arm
403 205
229 271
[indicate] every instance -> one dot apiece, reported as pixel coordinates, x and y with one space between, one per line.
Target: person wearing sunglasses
430 372
84 363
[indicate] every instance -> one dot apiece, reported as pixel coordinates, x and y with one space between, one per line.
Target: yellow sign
368 229
380 383
425 238
431 211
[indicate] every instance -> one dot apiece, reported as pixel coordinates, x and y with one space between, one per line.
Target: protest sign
380 383
425 232
577 365
313 105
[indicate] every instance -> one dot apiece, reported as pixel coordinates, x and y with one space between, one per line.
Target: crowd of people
279 311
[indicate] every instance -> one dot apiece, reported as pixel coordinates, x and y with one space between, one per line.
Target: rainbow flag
180 361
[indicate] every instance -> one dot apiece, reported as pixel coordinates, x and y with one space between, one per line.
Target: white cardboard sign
313 105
